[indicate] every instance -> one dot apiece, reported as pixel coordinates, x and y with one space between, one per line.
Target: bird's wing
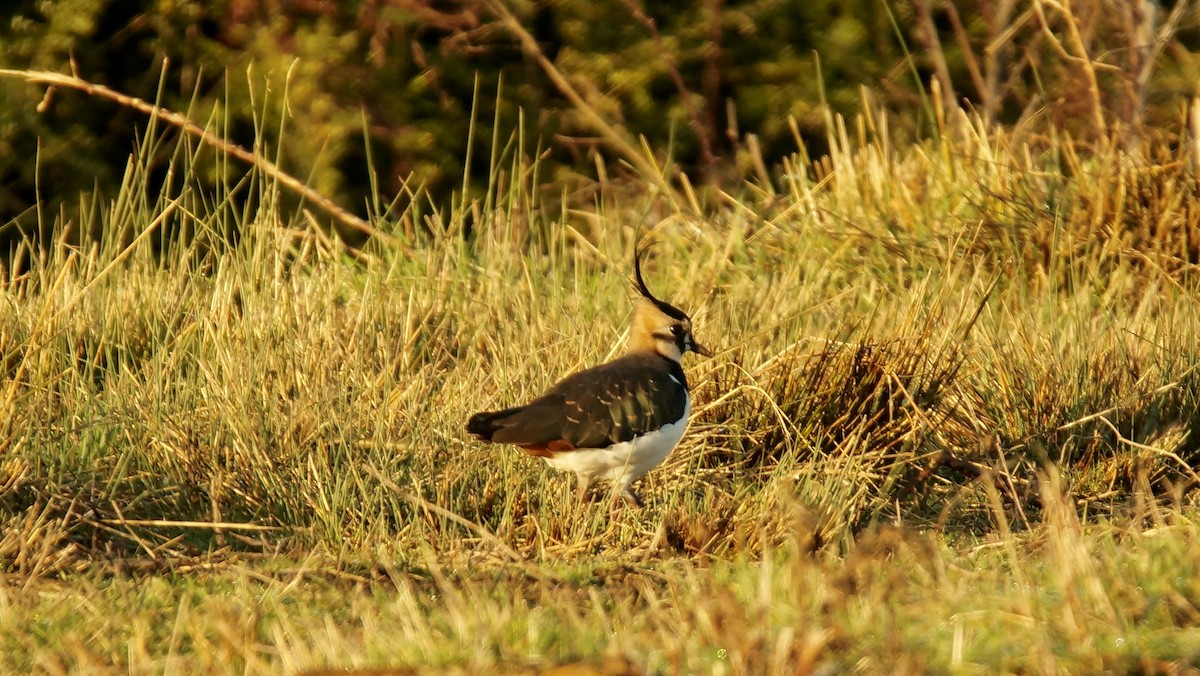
599 407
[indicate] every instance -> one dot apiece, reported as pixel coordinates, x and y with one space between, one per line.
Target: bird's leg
581 487
630 497
623 497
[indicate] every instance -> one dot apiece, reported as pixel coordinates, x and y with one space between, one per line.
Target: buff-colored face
667 333
659 326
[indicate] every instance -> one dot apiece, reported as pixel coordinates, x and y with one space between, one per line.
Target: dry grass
952 426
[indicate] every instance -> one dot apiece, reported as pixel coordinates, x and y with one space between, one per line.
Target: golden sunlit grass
952 424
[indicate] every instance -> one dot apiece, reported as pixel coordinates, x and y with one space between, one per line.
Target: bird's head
659 326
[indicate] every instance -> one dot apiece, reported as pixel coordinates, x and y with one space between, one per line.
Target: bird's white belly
625 462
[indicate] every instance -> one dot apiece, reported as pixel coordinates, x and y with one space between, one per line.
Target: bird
615 421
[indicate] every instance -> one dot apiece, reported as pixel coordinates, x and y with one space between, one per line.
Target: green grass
1083 599
951 426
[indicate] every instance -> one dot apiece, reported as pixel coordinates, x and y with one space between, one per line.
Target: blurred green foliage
400 75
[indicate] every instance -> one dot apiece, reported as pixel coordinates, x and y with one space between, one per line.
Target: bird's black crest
667 308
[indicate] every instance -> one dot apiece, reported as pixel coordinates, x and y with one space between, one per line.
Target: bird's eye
677 330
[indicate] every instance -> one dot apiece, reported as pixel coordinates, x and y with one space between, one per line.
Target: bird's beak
701 350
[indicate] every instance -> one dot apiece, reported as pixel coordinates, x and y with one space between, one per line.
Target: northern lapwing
615 421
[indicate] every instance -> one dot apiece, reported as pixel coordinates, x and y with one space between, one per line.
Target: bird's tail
485 425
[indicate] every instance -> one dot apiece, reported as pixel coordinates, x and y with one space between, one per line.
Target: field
951 426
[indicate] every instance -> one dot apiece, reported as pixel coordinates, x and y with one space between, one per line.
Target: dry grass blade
201 525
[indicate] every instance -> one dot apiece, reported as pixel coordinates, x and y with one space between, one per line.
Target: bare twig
200 525
612 136
1000 32
964 45
710 78
1078 53
261 163
933 46
704 132
1146 38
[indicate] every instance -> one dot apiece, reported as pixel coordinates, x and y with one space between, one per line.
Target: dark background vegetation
713 84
